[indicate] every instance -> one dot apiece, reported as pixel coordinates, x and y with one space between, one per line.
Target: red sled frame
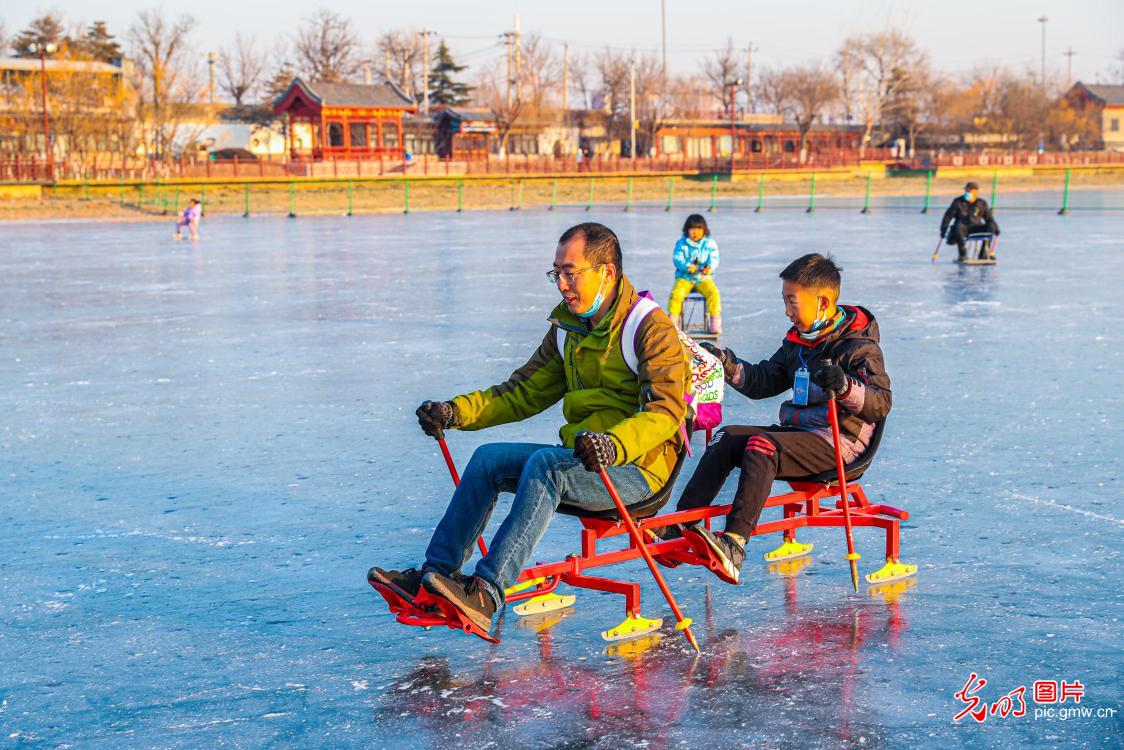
809 504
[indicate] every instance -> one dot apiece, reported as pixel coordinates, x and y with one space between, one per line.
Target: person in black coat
968 214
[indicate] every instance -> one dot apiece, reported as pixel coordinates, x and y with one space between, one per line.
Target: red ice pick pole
937 251
456 481
833 417
682 623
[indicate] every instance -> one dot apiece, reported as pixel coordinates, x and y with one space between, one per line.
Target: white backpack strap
560 341
631 330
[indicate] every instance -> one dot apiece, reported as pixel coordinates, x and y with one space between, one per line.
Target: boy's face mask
970 197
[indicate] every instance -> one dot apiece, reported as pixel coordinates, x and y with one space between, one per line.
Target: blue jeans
541 476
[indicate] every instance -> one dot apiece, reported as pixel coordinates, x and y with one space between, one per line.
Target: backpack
706 384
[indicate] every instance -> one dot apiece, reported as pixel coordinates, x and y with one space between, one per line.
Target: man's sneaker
665 534
404 583
466 594
729 554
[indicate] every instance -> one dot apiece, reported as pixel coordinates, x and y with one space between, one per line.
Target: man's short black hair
972 186
813 271
601 245
696 220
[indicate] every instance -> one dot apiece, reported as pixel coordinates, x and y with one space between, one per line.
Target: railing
277 167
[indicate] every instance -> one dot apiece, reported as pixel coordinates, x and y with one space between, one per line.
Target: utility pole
212 58
518 62
632 108
663 31
565 78
367 72
507 37
1069 53
749 78
425 34
1042 20
387 63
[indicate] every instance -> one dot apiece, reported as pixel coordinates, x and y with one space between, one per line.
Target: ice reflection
653 693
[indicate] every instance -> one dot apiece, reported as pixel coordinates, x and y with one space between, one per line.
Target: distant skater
968 214
696 260
190 219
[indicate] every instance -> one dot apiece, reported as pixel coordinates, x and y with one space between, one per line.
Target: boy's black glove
434 417
726 356
596 450
832 379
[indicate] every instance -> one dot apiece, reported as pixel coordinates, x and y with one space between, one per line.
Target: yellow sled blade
632 627
544 603
891 571
788 550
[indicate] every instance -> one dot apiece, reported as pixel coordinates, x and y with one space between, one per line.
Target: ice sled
693 319
979 249
813 502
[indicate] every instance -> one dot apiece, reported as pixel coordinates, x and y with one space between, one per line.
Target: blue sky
959 34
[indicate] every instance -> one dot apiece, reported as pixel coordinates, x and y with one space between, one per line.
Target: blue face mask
968 197
596 301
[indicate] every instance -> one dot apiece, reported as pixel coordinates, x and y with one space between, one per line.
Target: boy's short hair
601 245
814 271
696 220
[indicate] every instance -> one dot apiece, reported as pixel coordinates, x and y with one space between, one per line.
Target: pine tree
47 29
99 44
442 88
277 85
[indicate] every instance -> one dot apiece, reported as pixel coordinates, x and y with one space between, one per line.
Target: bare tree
401 52
773 90
166 84
873 68
583 78
809 89
540 70
721 68
5 40
326 47
922 104
242 68
490 91
612 70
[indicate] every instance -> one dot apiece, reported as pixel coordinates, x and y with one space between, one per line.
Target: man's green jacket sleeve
533 388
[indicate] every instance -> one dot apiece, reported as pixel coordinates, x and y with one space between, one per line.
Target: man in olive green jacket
619 419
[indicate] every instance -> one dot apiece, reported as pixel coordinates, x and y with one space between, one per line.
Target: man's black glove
832 379
596 450
434 417
726 356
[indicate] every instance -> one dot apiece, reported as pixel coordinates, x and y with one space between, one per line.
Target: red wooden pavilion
347 120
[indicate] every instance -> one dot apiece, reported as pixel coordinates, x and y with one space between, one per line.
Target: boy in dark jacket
801 444
968 214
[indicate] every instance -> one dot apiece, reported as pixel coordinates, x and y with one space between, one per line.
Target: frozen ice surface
205 445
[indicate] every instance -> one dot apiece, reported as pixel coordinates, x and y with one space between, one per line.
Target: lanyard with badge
801 383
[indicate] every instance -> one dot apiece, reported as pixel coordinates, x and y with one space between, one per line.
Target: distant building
763 135
344 120
465 134
1108 103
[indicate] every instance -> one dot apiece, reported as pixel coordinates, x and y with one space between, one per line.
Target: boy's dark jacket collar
859 323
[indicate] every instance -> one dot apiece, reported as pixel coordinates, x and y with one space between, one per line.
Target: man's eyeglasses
569 276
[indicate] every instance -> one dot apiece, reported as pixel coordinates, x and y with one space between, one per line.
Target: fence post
292 200
85 187
628 201
760 195
554 196
203 198
1065 195
406 196
866 201
460 196
812 196
140 195
994 187
511 203
928 190
246 213
713 192
670 192
350 196
176 205
592 182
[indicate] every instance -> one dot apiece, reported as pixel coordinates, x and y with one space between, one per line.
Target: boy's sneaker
729 554
665 534
466 594
405 583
